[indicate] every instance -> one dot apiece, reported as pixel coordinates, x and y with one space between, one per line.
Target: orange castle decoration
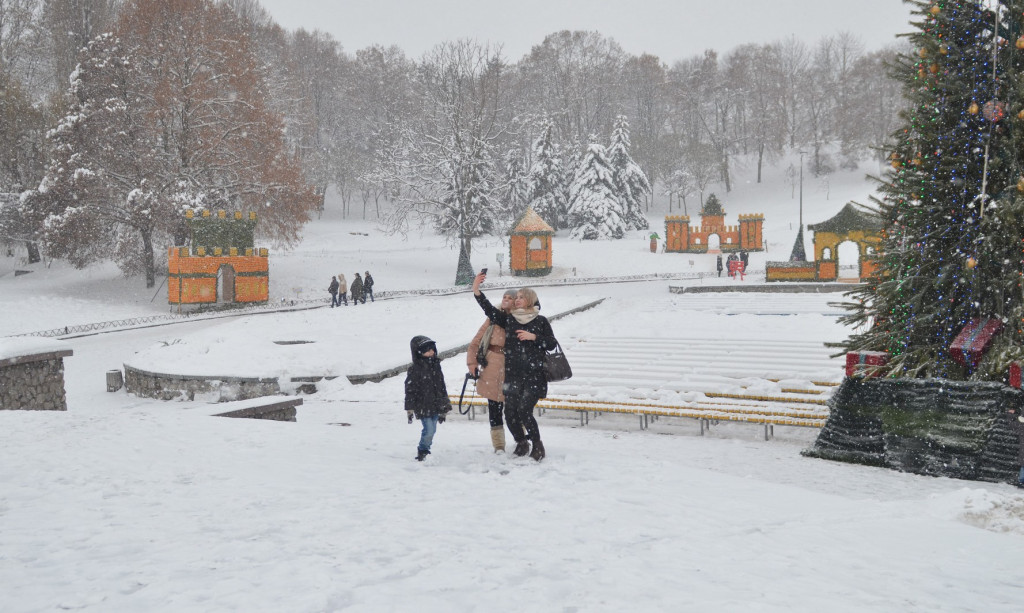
221 265
530 245
681 237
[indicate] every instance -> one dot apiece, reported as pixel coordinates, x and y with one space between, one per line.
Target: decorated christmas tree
953 202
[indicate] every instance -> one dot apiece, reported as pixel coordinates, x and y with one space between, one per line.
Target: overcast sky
670 29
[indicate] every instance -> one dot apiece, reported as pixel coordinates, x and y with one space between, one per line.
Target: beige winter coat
493 375
343 285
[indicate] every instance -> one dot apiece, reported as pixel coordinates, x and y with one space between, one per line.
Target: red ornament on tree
994 110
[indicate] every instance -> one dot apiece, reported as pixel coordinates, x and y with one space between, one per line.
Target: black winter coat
368 282
357 289
333 287
524 360
425 392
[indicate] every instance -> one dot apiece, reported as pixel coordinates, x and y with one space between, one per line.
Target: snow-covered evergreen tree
630 180
546 181
516 192
594 208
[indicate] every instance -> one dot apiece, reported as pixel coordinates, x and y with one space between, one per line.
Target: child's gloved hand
440 418
410 414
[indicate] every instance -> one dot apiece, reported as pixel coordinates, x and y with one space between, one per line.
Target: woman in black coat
528 337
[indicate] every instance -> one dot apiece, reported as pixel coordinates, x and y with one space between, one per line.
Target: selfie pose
528 336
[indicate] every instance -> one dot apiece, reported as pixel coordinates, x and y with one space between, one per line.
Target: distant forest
461 124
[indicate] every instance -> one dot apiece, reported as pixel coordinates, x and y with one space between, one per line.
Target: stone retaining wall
33 382
185 387
933 427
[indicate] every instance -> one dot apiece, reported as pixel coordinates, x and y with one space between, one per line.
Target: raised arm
495 315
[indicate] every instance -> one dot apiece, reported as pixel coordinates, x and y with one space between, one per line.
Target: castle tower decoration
530 245
713 235
221 263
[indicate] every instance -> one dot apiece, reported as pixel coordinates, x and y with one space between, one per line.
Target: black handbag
556 365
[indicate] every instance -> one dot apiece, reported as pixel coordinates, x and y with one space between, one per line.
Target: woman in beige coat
342 290
491 369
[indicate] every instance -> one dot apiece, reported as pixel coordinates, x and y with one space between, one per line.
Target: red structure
234 272
530 245
681 237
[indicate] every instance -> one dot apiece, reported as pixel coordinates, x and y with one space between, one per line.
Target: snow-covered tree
444 169
630 180
516 190
165 113
546 181
594 208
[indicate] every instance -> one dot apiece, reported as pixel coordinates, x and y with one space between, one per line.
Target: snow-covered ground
130 504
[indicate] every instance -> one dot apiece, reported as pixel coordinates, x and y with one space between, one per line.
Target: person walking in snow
368 287
486 361
342 290
332 289
718 264
357 290
426 396
528 337
1016 422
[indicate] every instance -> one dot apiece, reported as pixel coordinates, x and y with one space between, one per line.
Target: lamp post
802 154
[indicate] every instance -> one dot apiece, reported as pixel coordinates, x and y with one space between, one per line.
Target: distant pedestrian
426 396
342 289
332 289
745 258
368 287
718 264
357 290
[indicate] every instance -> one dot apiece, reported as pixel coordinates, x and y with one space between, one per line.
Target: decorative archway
851 233
714 243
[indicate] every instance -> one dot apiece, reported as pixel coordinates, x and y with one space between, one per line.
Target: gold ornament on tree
973 109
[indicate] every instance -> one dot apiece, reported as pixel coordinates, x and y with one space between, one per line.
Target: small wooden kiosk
530 246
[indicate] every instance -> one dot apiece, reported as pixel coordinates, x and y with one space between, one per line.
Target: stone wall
33 382
925 426
184 387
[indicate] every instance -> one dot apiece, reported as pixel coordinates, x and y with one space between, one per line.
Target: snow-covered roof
531 223
848 219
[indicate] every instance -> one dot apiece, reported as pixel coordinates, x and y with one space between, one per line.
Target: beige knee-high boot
498 438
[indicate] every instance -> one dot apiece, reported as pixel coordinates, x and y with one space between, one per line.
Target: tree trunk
33 252
725 172
760 160
148 260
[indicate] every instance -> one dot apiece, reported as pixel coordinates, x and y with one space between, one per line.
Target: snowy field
131 504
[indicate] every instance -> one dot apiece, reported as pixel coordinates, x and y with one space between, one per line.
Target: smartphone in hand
483 271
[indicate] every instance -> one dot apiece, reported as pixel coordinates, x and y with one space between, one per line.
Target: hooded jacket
425 392
342 285
357 288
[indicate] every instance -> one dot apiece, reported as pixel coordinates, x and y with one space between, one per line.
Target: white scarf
525 316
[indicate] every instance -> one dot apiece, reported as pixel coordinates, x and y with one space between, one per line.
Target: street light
802 154
799 254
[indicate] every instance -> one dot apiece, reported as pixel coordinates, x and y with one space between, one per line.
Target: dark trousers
334 301
519 415
494 409
369 292
342 297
